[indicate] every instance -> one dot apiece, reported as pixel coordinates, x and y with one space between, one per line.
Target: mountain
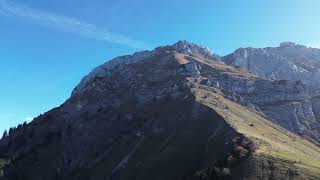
289 61
176 112
297 68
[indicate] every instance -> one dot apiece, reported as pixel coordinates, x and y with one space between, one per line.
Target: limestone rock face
301 120
295 72
192 49
286 103
287 62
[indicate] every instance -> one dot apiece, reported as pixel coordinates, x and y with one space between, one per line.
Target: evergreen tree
11 131
5 134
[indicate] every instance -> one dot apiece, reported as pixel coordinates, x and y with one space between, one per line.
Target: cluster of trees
12 129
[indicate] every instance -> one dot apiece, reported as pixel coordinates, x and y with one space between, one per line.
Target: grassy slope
272 140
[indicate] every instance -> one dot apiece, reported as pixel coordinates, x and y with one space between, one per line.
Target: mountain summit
184 47
178 112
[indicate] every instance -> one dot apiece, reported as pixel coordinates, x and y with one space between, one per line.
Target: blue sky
46 47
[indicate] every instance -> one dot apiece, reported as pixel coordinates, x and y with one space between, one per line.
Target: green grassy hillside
273 142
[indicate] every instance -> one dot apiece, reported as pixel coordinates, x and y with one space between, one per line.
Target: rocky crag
292 100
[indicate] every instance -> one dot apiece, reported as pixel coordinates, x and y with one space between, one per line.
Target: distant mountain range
180 112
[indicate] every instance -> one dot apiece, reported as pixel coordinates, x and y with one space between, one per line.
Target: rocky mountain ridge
289 61
297 68
288 97
175 112
184 47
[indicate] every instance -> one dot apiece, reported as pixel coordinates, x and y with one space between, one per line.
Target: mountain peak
291 44
183 46
190 48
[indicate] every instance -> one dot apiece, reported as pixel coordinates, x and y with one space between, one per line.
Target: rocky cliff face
289 100
287 62
286 103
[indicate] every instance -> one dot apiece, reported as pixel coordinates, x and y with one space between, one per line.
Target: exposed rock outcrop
287 62
288 101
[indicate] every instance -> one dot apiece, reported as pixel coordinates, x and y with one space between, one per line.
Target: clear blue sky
46 47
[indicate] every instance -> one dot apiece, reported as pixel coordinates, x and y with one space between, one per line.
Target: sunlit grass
272 140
